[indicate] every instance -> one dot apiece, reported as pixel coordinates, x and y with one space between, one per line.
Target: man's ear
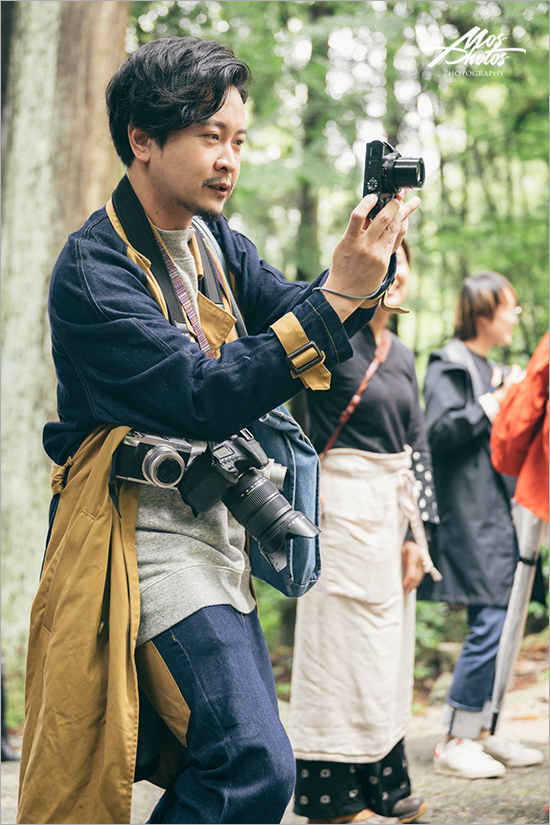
140 143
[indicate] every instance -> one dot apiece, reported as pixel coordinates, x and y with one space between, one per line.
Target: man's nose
227 159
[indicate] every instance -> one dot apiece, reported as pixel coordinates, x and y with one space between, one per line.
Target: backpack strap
210 283
204 233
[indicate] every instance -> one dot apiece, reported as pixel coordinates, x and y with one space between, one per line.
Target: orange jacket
519 440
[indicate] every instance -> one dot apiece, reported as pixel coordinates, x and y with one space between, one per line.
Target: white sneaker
511 752
467 759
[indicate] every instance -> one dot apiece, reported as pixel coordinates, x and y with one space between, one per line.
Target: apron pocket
361 528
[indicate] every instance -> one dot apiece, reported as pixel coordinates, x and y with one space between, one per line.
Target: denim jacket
119 361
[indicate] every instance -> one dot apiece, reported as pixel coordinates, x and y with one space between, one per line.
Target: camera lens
255 502
163 466
407 173
266 514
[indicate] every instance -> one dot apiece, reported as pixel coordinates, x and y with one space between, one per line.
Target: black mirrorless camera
386 172
236 471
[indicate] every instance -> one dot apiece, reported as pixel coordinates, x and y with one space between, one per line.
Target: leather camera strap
380 355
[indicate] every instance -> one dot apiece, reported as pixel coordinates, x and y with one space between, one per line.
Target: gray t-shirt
186 562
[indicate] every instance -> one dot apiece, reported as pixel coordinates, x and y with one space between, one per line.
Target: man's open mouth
219 186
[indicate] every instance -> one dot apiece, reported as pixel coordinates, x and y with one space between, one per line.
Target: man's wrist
343 307
345 294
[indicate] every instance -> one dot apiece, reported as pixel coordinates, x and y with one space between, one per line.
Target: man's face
195 171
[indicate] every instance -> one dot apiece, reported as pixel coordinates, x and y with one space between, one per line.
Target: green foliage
271 604
537 618
277 615
436 623
14 687
327 76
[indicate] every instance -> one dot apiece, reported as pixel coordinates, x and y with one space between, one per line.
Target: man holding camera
133 580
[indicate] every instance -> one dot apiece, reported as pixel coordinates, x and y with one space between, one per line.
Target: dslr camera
386 172
236 471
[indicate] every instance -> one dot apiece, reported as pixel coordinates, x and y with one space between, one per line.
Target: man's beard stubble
199 211
206 214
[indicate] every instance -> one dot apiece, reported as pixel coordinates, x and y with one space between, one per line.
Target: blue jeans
474 673
240 766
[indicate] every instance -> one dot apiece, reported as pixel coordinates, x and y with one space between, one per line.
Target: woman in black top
354 651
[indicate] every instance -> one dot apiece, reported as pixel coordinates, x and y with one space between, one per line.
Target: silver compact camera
152 459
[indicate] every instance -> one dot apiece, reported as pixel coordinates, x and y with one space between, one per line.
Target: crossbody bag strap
380 355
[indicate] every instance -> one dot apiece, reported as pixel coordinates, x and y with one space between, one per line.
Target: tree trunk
307 255
59 165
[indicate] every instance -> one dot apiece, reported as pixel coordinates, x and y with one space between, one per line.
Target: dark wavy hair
169 84
480 295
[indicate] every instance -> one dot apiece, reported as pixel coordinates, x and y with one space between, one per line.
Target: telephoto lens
256 503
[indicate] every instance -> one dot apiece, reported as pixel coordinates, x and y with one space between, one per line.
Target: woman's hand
413 570
515 375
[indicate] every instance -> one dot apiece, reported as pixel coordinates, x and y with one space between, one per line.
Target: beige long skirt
353 664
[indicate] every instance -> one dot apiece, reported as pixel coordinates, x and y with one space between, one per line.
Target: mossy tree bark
58 166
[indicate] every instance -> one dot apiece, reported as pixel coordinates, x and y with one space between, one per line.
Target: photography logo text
477 49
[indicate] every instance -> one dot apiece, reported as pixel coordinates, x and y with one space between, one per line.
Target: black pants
331 789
